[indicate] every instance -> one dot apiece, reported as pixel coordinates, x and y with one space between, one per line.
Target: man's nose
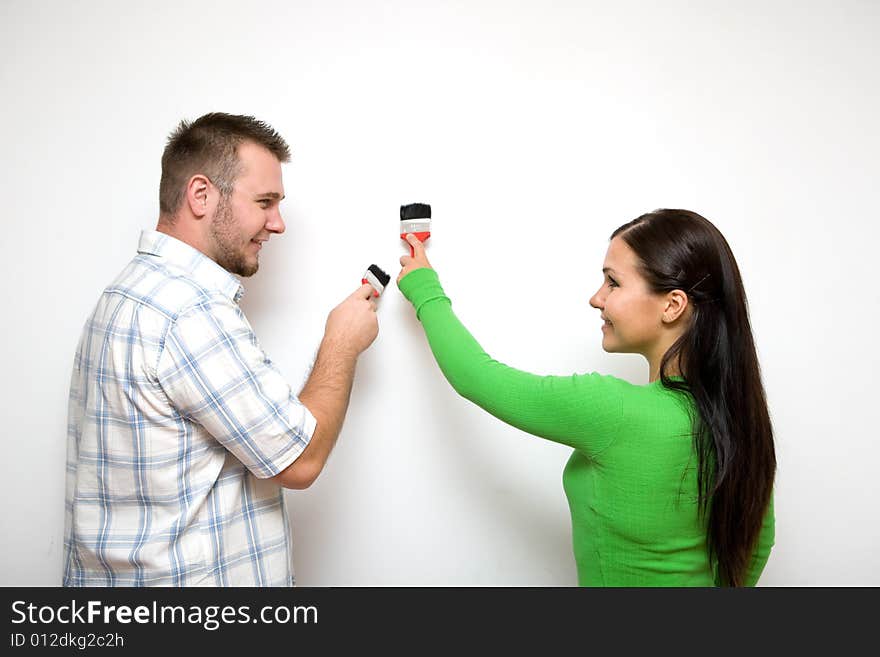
275 223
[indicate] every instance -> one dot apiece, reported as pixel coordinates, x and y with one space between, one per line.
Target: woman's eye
612 282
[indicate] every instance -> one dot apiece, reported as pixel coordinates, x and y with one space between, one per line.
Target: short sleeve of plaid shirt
214 372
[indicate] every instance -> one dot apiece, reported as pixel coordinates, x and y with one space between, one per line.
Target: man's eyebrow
270 195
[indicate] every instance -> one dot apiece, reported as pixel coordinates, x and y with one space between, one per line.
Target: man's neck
172 227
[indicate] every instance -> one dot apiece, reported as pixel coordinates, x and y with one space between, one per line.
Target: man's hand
415 261
352 325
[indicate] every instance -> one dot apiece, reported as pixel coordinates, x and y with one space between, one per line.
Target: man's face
250 214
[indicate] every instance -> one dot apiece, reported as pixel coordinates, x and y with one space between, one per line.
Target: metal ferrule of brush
370 278
415 226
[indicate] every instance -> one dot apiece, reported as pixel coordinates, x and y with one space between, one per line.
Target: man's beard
225 234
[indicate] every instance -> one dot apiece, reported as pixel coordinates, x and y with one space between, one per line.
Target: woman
670 483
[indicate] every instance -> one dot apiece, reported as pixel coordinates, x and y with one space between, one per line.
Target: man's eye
264 203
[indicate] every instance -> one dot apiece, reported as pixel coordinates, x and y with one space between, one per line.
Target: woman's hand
416 261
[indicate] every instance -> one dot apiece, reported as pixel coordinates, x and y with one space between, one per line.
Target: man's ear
198 195
676 304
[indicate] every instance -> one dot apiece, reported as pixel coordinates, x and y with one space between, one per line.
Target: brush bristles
415 211
380 275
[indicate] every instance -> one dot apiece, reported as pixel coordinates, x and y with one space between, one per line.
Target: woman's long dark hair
733 437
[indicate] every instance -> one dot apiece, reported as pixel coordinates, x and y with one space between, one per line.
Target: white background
534 129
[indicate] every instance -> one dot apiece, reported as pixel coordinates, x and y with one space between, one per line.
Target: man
181 432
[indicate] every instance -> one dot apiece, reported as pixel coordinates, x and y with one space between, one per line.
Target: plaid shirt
176 418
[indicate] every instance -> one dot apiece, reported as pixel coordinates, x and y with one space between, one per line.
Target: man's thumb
365 291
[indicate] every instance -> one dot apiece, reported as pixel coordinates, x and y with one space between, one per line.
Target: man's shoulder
163 288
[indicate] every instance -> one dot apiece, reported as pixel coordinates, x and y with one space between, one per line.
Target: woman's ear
676 305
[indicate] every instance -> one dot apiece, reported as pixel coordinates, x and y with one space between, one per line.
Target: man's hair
209 146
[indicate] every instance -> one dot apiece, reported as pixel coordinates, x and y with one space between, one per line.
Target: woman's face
632 313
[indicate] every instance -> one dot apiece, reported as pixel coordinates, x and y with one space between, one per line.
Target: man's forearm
351 327
326 394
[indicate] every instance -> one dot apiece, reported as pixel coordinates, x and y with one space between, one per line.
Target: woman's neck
672 368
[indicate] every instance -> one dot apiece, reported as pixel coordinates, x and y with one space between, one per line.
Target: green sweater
630 482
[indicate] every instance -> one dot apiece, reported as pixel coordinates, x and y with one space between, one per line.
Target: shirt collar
192 262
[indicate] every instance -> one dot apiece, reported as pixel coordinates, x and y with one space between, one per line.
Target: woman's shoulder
640 399
624 386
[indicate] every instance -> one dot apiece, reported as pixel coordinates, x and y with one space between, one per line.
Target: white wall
534 129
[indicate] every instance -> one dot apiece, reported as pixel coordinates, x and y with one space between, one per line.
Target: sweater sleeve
766 540
583 411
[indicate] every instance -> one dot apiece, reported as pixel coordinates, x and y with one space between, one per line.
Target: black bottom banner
416 620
